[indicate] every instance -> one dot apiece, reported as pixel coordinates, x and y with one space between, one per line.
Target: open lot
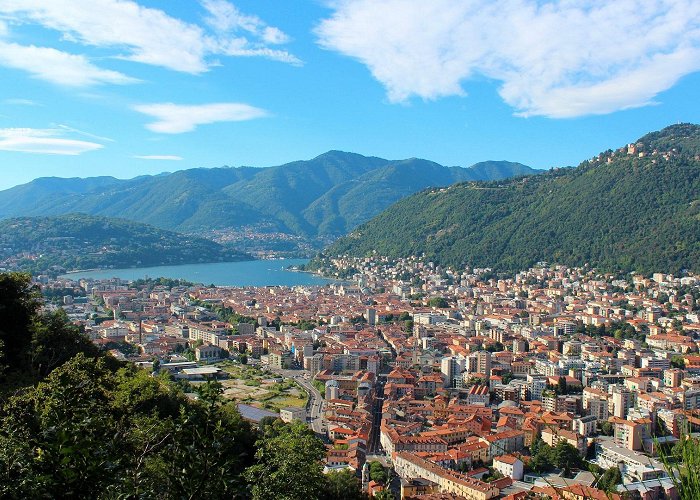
253 386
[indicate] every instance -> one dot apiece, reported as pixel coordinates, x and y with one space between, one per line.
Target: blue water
249 273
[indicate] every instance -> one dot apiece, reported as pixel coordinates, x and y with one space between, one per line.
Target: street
315 405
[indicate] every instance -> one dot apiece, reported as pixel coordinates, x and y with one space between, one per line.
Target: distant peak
336 153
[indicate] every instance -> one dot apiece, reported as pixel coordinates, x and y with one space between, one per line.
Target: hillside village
458 382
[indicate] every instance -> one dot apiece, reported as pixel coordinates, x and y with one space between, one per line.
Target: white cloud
176 119
159 157
226 20
43 141
58 67
148 35
561 58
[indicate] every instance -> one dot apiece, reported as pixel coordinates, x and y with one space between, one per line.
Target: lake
248 273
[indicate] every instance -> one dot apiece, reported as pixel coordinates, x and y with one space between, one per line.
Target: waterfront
246 273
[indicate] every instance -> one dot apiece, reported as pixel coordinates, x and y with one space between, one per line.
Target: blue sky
125 88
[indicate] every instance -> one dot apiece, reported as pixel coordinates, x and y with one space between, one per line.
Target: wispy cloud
83 133
20 102
159 157
176 119
58 67
145 35
561 58
43 141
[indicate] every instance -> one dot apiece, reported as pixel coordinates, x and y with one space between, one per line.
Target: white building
509 466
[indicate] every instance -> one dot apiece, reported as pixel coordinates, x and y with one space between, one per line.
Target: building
622 400
483 363
510 466
290 414
282 360
371 316
586 426
410 466
633 466
552 435
208 353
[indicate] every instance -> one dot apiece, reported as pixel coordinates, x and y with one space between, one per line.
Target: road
315 405
373 445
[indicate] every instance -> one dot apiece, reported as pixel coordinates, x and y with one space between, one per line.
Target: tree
610 479
54 341
244 359
377 472
495 347
561 386
343 484
385 494
542 459
606 428
288 463
19 302
678 362
439 302
566 456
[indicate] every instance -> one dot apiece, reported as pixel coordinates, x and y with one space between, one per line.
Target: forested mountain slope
77 241
637 208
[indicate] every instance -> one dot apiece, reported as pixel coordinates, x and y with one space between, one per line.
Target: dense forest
77 423
634 209
76 241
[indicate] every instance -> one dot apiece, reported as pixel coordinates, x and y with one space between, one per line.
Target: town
426 381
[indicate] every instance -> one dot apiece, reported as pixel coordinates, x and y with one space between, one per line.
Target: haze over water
248 273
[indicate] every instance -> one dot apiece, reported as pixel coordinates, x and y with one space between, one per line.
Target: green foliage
678 362
440 302
606 428
288 463
377 472
563 456
683 464
561 386
77 241
19 302
320 387
55 341
605 214
495 347
165 282
542 458
385 494
343 484
610 479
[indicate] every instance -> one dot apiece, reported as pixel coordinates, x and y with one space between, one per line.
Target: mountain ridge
312 198
635 208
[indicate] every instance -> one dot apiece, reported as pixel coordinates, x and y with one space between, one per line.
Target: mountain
77 241
637 208
325 196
